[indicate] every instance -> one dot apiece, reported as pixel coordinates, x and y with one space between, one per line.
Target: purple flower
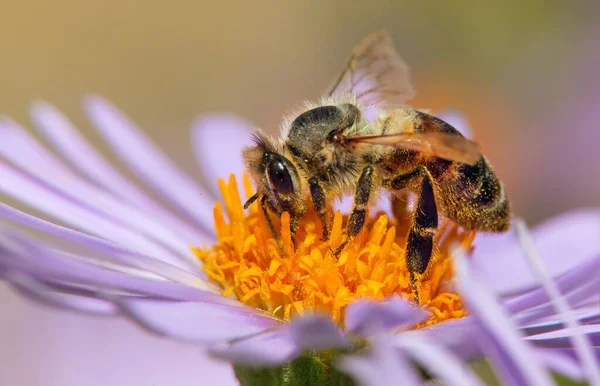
120 252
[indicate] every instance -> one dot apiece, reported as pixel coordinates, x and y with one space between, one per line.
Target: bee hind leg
359 211
419 245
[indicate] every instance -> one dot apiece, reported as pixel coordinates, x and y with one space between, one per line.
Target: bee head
276 177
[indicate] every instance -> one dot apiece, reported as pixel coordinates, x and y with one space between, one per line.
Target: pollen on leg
286 277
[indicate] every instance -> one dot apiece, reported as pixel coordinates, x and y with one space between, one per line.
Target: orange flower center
285 280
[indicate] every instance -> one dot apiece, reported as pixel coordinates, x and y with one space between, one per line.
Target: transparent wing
443 145
375 74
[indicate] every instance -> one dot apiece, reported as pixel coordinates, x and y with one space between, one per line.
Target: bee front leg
359 211
265 209
419 245
319 201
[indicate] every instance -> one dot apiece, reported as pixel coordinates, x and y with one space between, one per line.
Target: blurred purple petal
585 315
115 252
82 155
45 346
263 349
28 191
50 170
562 337
579 340
148 161
218 142
316 332
564 243
561 363
72 271
367 317
383 365
457 120
41 293
436 359
194 321
500 340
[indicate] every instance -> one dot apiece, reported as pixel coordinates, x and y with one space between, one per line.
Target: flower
134 258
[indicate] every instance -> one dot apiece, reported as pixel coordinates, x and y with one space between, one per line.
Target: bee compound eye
279 177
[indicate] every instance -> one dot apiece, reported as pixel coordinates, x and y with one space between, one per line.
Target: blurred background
524 73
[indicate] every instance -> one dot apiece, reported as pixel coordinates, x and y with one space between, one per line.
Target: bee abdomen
475 198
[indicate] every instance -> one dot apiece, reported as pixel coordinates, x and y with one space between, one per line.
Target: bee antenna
251 201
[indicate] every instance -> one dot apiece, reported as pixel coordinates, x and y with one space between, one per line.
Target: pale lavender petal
438 360
578 285
82 155
30 192
27 153
268 348
457 120
44 346
564 243
560 363
218 140
44 294
585 315
316 332
562 338
149 162
194 321
73 271
511 352
115 252
581 344
384 365
367 317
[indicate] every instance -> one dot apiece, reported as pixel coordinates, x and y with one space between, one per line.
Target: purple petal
268 348
564 243
562 338
28 191
82 155
366 317
148 161
578 285
438 360
585 315
44 294
384 365
50 170
218 142
457 120
116 253
42 346
72 271
501 340
560 363
316 332
581 344
194 321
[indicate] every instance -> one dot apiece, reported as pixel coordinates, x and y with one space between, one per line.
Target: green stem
310 369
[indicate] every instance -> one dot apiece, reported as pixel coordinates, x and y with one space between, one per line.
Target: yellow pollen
289 278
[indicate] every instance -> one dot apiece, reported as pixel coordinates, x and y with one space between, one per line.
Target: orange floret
289 279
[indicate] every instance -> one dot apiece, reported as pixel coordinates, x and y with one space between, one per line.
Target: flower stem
314 368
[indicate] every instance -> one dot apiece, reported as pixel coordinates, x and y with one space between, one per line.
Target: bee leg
359 212
419 245
265 209
320 204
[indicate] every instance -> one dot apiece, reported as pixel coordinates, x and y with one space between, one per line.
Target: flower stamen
288 278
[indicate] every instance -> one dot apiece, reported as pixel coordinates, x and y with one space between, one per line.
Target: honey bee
360 139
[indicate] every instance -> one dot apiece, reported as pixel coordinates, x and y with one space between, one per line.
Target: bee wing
375 74
443 145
